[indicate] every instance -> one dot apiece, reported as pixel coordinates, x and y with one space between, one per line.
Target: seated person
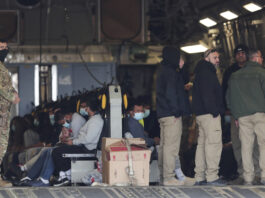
31 137
44 127
82 110
136 113
73 121
57 127
150 122
41 167
85 142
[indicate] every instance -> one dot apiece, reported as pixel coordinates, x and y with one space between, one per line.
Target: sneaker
188 181
4 183
200 183
38 183
24 182
62 182
262 182
217 182
173 182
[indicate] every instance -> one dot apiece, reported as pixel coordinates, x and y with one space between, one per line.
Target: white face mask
138 116
146 113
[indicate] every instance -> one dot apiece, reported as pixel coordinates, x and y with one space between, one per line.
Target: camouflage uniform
6 99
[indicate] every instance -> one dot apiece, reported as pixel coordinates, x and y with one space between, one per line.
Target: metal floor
137 192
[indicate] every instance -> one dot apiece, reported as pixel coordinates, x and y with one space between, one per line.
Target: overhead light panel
229 15
192 49
208 22
252 7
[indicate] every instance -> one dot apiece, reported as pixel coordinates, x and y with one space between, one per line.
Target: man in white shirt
85 142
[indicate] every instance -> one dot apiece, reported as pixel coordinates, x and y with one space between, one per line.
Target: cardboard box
116 164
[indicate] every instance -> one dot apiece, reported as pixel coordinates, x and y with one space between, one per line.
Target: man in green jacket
245 98
8 95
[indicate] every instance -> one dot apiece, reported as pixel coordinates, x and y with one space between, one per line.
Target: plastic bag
91 177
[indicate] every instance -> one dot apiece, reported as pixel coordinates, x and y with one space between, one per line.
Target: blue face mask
138 116
52 119
66 125
146 113
83 112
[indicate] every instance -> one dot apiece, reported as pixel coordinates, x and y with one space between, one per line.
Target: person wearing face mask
151 125
82 109
8 96
85 142
136 113
171 104
73 121
40 168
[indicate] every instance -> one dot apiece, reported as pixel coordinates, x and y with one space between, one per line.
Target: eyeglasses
209 51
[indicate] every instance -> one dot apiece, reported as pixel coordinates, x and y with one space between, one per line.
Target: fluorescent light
208 22
228 15
36 85
192 49
54 82
252 7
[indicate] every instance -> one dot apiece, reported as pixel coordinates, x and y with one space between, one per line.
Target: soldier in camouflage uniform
8 95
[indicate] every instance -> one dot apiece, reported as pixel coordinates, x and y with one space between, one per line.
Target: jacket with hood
206 93
171 98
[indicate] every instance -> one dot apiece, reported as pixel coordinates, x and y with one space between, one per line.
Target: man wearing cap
245 99
171 103
240 54
207 104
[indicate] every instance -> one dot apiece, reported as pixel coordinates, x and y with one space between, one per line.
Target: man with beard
207 103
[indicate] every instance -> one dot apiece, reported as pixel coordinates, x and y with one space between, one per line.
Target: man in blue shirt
136 112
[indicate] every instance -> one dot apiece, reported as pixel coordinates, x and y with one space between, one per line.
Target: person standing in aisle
207 104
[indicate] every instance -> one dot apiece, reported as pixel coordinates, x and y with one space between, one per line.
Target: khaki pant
209 148
170 136
249 126
236 144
